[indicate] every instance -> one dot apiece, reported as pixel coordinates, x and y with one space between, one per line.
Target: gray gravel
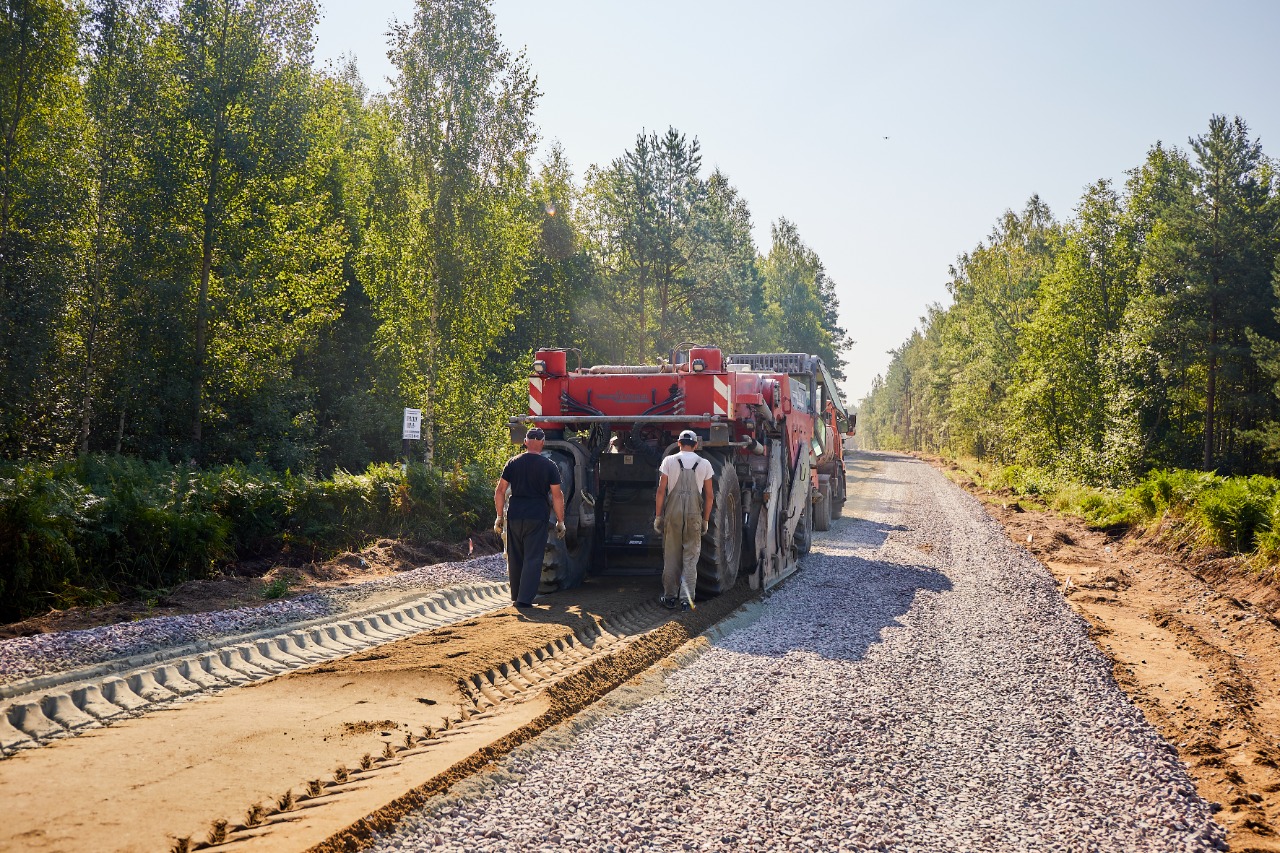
41 654
919 685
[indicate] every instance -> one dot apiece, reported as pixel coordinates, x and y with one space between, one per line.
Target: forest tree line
211 250
1142 333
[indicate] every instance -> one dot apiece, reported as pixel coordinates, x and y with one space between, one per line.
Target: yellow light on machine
539 367
698 365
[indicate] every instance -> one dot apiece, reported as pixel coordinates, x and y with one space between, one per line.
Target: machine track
488 692
48 708
535 670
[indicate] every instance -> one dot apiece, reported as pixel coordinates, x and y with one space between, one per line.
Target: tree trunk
428 405
1055 422
86 401
11 132
907 412
120 429
95 310
664 295
428 434
1229 450
644 337
1211 386
202 297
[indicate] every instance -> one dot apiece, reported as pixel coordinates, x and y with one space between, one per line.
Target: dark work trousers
526 542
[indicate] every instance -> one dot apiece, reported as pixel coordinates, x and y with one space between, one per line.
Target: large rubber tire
752 512
564 567
804 530
822 509
721 554
838 493
751 517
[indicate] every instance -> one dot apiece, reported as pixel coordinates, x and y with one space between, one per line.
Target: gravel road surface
919 685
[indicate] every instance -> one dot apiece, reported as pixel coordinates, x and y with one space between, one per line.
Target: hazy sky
983 104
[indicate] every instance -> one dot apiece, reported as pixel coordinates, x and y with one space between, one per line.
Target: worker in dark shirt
530 477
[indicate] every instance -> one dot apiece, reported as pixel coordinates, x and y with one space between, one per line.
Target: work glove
657 525
559 529
498 524
704 527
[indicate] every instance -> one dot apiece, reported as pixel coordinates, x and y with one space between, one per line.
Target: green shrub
1241 514
41 516
277 588
1102 508
468 499
1233 512
1173 491
1268 538
97 528
148 528
1024 480
332 513
255 503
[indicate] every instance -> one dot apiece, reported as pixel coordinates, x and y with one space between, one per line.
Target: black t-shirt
531 476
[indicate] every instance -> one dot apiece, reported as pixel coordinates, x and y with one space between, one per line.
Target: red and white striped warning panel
721 397
535 396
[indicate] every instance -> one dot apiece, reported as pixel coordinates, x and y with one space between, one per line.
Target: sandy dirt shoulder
1194 642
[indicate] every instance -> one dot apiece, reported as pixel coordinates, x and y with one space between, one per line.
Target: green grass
1236 514
277 588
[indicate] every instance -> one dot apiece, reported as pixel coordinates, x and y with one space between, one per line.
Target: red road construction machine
771 426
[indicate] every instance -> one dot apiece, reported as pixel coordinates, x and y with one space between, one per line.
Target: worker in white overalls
681 519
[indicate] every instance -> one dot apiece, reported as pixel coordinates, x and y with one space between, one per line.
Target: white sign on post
412 424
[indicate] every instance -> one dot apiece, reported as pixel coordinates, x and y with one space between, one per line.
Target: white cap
688 437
